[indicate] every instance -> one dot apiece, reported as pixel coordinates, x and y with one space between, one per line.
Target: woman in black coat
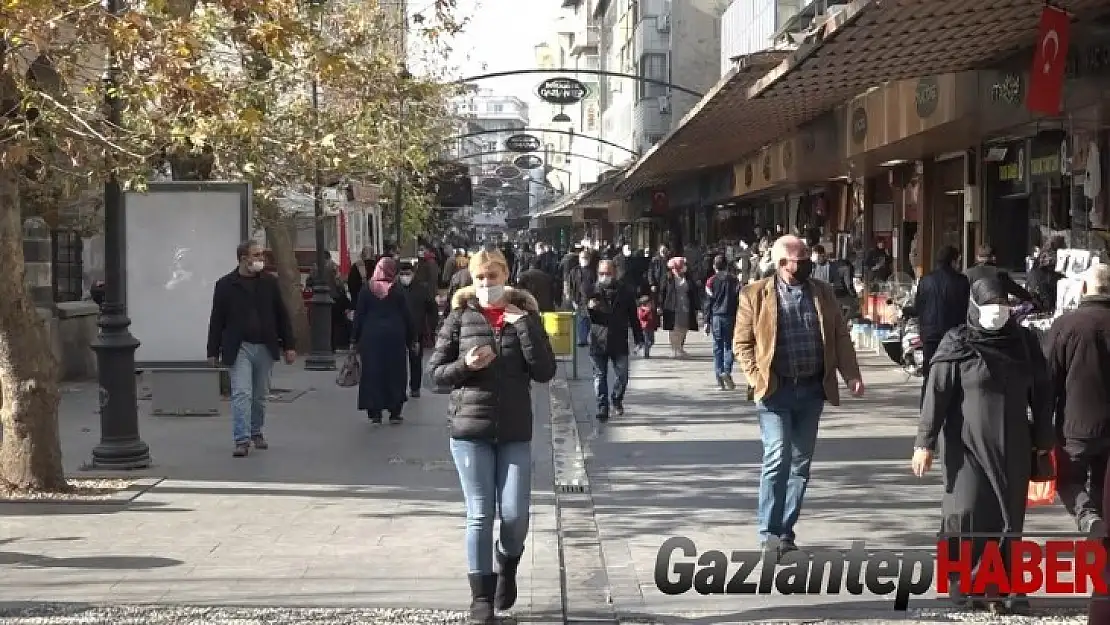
489 351
985 377
383 330
681 300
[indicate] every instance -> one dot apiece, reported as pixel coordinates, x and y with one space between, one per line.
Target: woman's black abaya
982 387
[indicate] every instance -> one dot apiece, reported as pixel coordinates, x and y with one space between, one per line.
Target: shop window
66 265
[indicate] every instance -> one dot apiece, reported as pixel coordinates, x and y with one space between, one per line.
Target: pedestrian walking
649 323
383 333
791 341
1078 350
424 313
679 300
582 280
989 395
940 303
723 295
539 283
490 350
611 309
249 329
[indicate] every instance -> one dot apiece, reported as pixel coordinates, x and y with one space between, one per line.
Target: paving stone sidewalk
685 461
337 514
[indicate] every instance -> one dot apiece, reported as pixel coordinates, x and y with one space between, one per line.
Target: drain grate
570 488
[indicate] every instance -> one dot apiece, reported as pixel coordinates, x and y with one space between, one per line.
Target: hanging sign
562 91
492 183
528 161
522 143
508 172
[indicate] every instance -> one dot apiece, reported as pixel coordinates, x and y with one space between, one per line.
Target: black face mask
804 270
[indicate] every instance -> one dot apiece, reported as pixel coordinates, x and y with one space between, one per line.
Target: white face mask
583 263
490 294
257 266
406 280
604 280
992 316
627 251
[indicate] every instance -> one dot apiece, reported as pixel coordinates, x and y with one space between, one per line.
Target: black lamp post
398 186
322 356
120 446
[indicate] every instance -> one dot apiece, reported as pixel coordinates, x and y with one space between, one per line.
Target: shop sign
927 96
1011 177
859 125
562 91
749 175
1044 166
1008 90
522 143
528 161
1013 172
787 155
508 172
767 165
492 183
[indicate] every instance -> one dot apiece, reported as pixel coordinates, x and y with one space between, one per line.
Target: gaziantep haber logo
1016 565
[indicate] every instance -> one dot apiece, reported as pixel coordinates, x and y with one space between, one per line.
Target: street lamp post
120 446
321 357
398 187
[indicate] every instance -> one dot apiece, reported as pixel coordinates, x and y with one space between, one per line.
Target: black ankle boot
482 588
505 596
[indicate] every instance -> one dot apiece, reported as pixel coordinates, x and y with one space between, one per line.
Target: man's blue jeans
495 477
583 319
601 379
250 383
722 344
788 421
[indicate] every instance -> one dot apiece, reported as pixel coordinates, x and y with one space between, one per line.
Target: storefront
909 141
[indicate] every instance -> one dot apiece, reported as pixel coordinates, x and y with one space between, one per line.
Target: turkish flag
659 202
1046 77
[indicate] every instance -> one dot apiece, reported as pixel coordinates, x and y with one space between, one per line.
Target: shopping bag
350 372
1042 492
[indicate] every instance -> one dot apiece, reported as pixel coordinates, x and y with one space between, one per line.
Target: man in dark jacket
540 284
611 306
985 267
249 329
940 304
580 283
425 314
723 298
658 272
1078 351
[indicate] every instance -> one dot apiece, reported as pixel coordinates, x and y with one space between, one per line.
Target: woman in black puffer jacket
490 349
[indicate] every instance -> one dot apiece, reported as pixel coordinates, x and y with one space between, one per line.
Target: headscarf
999 349
385 273
678 263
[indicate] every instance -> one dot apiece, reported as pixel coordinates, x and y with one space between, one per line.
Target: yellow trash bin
560 327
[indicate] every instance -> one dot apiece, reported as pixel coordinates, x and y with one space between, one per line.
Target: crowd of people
1000 399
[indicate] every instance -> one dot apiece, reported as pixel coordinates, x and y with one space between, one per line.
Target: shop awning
868 43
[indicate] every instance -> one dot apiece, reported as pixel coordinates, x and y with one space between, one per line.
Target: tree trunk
289 276
30 452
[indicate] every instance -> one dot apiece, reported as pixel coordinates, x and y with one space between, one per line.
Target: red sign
659 202
1046 77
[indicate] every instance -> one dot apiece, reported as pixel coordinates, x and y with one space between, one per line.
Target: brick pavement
336 513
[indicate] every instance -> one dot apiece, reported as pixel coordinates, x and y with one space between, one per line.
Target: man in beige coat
790 340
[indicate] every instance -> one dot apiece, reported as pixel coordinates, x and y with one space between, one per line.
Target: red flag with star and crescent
1046 77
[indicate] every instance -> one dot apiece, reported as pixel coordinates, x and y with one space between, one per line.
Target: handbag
350 372
1042 480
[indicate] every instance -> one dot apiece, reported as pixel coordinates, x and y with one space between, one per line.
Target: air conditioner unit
663 23
664 104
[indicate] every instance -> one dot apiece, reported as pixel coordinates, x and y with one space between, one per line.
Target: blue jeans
250 383
583 319
601 379
788 421
495 478
649 340
722 344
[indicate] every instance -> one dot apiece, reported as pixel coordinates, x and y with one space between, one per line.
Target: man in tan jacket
790 340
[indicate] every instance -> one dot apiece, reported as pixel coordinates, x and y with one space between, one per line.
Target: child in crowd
649 323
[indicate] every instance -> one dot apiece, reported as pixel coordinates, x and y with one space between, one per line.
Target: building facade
669 41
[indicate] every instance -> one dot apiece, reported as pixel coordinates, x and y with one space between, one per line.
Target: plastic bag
1043 492
350 372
